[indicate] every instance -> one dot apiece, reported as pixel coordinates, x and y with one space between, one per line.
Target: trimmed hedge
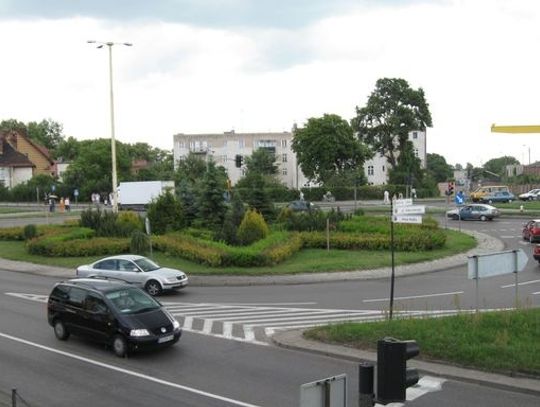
79 247
12 233
276 248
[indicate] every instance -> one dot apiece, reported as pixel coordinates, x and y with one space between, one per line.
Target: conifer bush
140 243
30 232
252 228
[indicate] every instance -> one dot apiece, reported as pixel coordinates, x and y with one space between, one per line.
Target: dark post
14 398
366 396
392 278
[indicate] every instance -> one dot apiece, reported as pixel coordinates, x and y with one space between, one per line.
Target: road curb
294 340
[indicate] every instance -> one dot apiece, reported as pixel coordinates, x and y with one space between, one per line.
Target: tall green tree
68 149
437 168
13 125
497 165
262 162
47 133
393 110
190 168
327 147
211 203
408 170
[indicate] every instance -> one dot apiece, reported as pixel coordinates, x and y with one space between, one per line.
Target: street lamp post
110 44
529 150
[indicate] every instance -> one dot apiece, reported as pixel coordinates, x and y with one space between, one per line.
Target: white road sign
410 210
407 219
494 264
403 202
331 392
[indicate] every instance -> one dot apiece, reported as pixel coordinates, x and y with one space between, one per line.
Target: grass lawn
505 342
306 261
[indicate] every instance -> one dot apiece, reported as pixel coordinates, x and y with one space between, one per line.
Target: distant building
223 147
21 159
376 169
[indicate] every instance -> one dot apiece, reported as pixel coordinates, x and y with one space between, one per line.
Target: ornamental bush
252 228
127 223
140 243
30 232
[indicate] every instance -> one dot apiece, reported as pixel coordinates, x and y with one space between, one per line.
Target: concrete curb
486 244
294 340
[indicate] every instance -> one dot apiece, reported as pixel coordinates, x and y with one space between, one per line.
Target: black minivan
111 312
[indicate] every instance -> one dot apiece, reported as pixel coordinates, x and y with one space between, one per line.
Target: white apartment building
376 169
223 147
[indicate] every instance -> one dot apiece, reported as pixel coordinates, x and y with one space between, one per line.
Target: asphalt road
211 368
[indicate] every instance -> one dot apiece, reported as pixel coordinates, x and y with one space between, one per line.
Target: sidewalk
295 340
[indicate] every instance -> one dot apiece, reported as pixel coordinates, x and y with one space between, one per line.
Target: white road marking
536 293
414 297
31 297
128 372
521 283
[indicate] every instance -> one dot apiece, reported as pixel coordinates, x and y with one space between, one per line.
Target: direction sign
494 264
403 202
407 219
330 392
410 210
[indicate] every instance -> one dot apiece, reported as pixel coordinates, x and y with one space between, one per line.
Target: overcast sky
199 66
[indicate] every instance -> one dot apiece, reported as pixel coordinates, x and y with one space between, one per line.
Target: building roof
12 158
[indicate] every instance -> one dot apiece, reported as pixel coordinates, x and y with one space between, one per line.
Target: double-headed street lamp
109 44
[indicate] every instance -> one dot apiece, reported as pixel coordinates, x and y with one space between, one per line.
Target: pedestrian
62 205
400 195
67 204
386 197
413 193
52 204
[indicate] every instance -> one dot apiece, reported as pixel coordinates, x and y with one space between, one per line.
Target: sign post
495 264
401 211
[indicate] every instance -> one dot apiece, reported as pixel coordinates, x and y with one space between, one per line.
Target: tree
408 170
326 147
262 162
47 133
498 165
393 110
190 168
13 125
211 202
165 214
437 168
67 150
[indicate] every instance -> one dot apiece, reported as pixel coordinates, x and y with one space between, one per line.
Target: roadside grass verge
305 261
505 342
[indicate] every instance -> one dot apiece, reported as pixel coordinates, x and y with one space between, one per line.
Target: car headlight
175 324
139 332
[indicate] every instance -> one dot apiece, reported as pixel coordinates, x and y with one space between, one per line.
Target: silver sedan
138 270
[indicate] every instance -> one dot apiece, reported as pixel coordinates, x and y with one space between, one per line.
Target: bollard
366 397
521 208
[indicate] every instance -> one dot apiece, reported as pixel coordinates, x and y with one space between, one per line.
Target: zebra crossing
256 323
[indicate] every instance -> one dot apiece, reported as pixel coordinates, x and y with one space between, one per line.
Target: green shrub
189 248
12 233
252 228
30 232
140 243
128 222
103 222
165 214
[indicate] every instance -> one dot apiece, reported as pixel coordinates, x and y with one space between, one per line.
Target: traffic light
393 376
238 160
450 188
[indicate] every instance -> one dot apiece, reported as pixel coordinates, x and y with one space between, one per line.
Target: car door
466 212
73 311
97 318
527 230
129 271
105 268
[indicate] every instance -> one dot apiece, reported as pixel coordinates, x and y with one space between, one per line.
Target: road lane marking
414 297
128 372
521 283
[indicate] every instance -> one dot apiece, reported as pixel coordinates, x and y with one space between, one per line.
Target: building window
284 143
181 144
416 152
383 168
284 158
284 171
415 135
370 170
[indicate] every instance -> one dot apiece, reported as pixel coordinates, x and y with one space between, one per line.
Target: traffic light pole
393 275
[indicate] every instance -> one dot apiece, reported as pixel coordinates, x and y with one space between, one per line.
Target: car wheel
153 288
530 198
60 330
119 346
455 217
483 218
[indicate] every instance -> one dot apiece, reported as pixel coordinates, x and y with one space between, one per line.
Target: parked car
531 231
536 252
499 196
138 270
480 192
111 312
532 195
301 206
474 212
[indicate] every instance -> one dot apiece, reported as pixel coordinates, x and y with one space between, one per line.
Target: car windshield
146 264
132 301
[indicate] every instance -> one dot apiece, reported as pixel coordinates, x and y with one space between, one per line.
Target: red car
536 252
531 231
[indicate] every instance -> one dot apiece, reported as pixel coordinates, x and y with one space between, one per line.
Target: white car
533 194
137 270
